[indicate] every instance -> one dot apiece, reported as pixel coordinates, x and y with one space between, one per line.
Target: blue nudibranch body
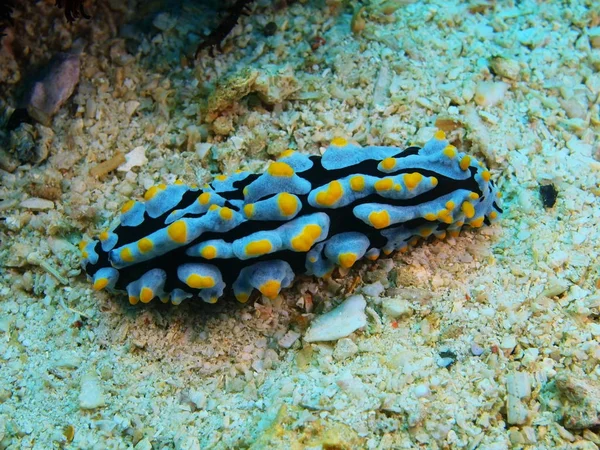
305 214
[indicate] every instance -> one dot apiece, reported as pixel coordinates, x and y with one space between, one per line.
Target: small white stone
508 344
489 93
288 339
135 158
131 106
202 149
144 444
339 322
164 21
345 348
91 395
421 390
557 258
187 443
396 307
37 204
198 398
373 289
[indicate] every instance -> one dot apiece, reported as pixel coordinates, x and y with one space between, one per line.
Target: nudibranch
304 214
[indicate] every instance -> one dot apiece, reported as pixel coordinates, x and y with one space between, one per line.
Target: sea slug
305 214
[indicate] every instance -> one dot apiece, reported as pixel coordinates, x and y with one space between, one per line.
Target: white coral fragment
339 322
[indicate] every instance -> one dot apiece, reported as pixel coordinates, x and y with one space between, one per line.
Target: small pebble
270 29
339 322
476 350
446 359
54 89
421 390
489 93
345 348
91 395
135 158
548 194
396 307
373 289
288 339
37 204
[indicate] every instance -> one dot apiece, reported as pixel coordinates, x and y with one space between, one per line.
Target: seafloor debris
339 322
580 400
548 193
57 85
31 144
272 84
215 39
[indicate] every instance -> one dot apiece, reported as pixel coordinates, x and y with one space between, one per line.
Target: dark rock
54 88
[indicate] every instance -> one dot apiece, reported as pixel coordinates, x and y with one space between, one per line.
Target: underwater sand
493 342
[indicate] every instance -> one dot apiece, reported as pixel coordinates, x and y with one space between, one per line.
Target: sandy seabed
484 341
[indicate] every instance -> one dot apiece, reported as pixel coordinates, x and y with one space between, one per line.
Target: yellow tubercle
280 169
440 135
385 184
151 193
270 289
226 213
388 163
450 151
465 162
445 216
486 175
196 281
127 206
347 260
412 180
133 299
303 241
339 142
204 198
468 210
209 252
213 207
177 231
476 223
379 219
146 294
357 183
242 297
287 203
145 245
100 284
286 153
257 248
221 177
103 236
249 210
126 255
331 195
